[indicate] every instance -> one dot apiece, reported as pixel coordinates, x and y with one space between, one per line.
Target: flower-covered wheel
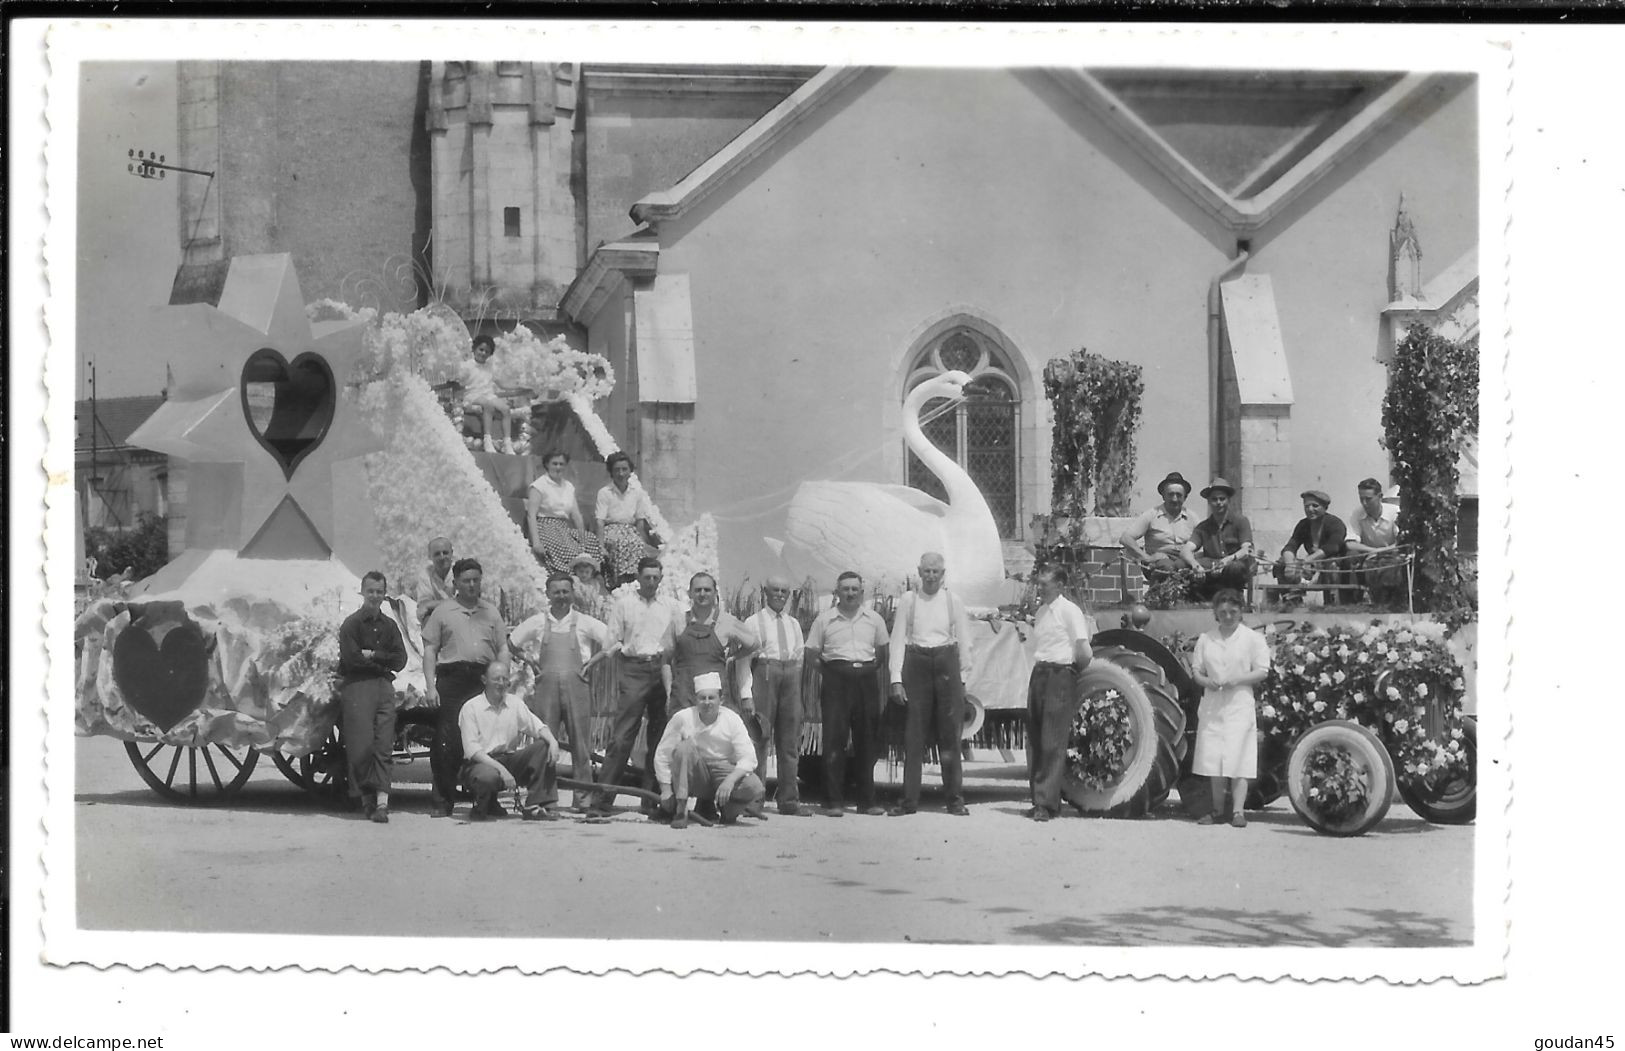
1453 798
1112 748
1340 778
197 776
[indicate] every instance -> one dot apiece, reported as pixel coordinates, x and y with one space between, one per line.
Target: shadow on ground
1169 925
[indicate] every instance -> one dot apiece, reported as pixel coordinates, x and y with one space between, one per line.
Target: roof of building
115 419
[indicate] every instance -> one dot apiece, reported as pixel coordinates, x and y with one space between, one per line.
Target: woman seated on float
557 533
624 520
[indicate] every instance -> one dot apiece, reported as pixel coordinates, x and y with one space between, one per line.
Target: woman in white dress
557 533
1229 661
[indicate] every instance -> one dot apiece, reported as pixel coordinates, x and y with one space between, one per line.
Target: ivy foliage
1096 403
1430 410
143 550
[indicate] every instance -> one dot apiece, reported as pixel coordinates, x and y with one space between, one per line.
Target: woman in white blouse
624 515
557 533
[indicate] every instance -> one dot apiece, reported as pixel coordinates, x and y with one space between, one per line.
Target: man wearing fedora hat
1155 538
1221 545
1321 537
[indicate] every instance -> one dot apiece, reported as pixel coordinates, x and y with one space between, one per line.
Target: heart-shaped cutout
289 407
161 663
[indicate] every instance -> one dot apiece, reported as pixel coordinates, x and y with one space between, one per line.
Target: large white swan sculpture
881 530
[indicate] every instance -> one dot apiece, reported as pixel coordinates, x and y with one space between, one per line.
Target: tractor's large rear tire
1270 784
1367 752
1156 731
1454 801
1172 741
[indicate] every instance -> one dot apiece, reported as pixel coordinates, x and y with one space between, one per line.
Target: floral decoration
1098 745
1397 679
1428 412
1093 456
523 361
1337 785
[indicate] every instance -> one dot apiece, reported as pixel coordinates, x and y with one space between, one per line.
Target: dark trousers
695 777
777 688
455 683
367 718
851 702
535 768
936 715
1051 704
1237 574
642 696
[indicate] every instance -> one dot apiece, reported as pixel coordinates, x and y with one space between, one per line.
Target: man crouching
706 754
505 746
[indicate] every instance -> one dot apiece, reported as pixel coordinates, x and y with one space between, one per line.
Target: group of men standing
710 689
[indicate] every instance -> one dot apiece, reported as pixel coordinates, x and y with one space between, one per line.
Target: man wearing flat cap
1155 538
706 755
1324 542
1221 545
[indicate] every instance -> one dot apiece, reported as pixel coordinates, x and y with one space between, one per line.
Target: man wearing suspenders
930 661
777 688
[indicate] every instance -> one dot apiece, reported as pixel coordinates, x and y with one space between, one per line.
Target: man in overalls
706 639
561 644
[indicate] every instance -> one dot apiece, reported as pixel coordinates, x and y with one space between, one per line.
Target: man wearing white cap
706 754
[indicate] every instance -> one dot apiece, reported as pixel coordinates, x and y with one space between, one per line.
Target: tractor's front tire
1156 729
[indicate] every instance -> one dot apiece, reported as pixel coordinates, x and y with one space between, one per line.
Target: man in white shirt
1373 538
506 748
640 638
1061 634
930 661
776 687
706 754
561 645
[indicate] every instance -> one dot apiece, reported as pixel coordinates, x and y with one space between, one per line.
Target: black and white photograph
559 501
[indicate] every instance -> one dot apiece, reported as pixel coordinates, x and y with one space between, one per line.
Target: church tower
506 237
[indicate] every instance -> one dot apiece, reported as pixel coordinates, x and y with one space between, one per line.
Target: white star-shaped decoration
206 417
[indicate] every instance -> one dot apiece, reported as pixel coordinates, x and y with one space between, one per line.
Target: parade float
318 448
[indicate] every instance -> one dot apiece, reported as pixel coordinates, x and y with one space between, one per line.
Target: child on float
480 392
1228 662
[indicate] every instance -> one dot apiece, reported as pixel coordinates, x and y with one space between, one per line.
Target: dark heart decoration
161 662
288 407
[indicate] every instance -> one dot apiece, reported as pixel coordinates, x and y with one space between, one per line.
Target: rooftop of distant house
113 421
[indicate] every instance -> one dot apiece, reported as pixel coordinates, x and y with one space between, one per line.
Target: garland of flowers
1429 411
522 360
1338 672
1096 403
303 654
1337 784
1098 744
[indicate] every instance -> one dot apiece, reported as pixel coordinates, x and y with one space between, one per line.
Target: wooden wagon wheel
321 771
194 776
1367 753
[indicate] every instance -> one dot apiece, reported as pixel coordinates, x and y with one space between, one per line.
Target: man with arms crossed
370 653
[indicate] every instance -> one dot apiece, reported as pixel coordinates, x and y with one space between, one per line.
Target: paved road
274 861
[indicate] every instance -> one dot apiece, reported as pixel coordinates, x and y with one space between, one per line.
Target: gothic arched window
980 432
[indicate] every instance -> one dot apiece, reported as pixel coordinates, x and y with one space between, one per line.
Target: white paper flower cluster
523 360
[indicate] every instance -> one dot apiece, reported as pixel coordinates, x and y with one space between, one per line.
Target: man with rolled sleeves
706 755
847 639
776 692
640 640
1221 545
507 748
1156 537
930 661
461 639
561 644
371 651
434 584
707 638
1373 538
1061 635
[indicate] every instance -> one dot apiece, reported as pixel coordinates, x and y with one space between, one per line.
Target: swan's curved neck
954 479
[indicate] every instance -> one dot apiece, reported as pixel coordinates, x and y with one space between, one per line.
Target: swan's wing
913 497
836 526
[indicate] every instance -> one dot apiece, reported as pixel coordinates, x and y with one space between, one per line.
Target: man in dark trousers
460 640
507 748
1060 651
371 651
640 638
848 637
930 660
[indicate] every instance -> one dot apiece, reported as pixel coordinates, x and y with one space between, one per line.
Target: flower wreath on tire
1337 784
1097 746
